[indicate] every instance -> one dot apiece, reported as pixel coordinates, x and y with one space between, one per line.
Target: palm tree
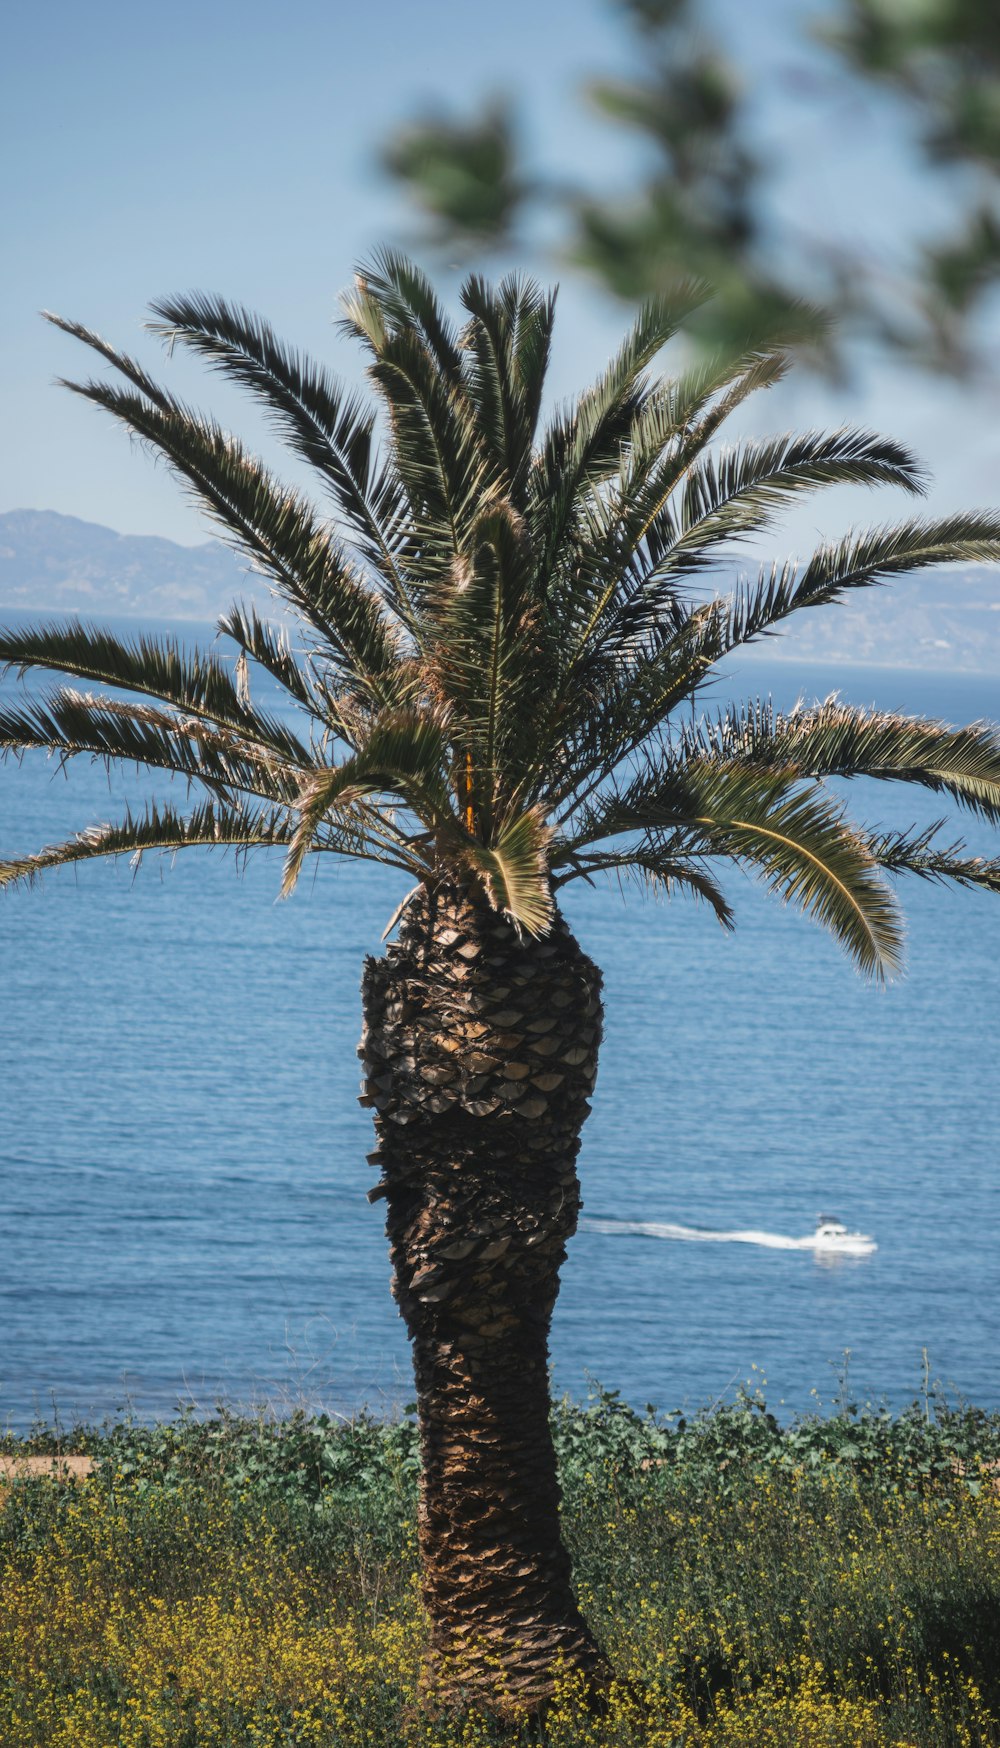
497 633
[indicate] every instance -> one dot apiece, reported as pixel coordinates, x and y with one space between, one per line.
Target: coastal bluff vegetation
238 1579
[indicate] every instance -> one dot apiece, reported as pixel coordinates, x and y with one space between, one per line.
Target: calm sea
182 1172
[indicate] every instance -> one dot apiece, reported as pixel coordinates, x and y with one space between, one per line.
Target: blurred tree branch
700 202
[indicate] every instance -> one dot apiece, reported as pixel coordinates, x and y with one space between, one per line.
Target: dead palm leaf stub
505 622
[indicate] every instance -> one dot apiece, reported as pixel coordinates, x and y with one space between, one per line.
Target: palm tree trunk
480 1049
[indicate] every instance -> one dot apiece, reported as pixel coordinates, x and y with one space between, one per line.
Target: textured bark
480 1050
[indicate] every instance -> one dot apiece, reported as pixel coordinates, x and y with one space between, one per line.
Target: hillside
51 563
948 619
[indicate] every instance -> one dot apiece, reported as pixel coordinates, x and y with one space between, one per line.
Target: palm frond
750 372
658 320
476 659
441 460
623 535
195 683
403 755
329 428
795 836
673 509
841 740
438 452
75 724
123 362
920 852
724 497
857 562
615 706
507 347
269 650
405 301
972 536
681 414
584 445
737 491
274 527
532 345
159 827
655 870
666 668
808 855
514 869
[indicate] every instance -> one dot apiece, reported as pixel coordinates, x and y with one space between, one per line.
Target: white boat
830 1239
831 1235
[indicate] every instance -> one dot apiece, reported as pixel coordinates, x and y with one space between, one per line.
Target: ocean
182 1158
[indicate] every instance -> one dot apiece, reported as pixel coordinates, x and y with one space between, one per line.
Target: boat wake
829 1239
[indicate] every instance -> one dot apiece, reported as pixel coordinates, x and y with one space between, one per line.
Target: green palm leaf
617 706
643 684
737 493
482 616
331 430
839 740
270 651
117 732
507 350
584 446
196 683
273 526
670 430
392 295
655 869
403 756
158 828
680 416
859 561
794 835
721 498
514 868
439 452
734 384
921 853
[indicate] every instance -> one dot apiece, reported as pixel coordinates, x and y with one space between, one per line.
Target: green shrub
233 1580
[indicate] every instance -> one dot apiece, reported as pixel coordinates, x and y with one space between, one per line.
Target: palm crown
497 627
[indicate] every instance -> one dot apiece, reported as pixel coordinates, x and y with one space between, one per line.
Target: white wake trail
850 1244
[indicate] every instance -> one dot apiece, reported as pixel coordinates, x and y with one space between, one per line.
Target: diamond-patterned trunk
480 1050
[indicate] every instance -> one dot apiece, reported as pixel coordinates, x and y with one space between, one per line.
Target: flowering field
247 1584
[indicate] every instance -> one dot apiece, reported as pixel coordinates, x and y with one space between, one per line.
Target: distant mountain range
58 564
947 619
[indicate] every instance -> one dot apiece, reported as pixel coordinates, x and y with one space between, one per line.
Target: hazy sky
231 147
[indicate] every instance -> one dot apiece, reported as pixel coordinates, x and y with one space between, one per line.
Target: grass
253 1583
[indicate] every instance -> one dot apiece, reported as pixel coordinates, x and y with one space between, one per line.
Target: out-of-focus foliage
942 57
465 172
701 202
698 208
945 54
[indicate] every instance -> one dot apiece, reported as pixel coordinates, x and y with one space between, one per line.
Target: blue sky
231 147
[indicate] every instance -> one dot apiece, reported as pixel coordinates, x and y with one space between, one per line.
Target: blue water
182 1173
